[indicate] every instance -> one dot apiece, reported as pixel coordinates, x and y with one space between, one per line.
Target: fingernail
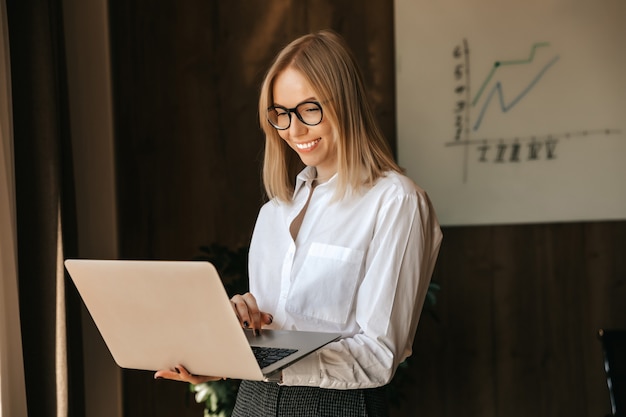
246 324
271 319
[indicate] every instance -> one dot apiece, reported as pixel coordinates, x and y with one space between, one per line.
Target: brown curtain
13 394
44 200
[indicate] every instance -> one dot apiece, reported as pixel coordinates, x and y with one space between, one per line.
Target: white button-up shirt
359 266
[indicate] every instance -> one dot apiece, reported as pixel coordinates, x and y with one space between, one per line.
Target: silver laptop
155 315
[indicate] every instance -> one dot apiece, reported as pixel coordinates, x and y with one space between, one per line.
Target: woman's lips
307 146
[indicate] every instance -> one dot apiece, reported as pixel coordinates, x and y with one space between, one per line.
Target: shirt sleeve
398 268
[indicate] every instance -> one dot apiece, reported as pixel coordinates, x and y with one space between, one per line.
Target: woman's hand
180 373
248 312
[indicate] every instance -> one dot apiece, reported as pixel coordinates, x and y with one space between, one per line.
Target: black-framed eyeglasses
308 112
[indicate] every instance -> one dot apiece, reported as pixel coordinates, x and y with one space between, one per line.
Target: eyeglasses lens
309 113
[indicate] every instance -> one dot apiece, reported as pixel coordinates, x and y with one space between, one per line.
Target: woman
346 244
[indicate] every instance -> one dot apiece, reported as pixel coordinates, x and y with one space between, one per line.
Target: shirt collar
308 175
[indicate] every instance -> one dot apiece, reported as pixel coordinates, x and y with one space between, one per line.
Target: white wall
550 147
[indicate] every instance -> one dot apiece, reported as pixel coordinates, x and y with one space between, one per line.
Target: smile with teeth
308 145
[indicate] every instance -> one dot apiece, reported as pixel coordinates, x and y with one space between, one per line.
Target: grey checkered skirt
263 399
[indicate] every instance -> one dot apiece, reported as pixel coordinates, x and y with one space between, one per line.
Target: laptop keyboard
266 356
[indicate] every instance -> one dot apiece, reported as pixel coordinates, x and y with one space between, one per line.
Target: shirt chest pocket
325 286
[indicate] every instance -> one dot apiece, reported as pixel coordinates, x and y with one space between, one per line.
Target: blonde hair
363 154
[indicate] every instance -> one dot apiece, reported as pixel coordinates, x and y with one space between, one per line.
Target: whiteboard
514 112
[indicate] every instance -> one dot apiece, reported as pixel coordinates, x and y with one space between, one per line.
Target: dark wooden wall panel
519 311
517 316
187 76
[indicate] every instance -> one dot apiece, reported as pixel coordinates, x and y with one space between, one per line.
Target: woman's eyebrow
312 98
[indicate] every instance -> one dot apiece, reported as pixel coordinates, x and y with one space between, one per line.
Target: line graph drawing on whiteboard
497 88
507 84
498 64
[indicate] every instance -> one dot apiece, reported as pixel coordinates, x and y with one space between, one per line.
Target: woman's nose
297 128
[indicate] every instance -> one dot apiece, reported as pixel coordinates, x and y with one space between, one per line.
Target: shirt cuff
304 372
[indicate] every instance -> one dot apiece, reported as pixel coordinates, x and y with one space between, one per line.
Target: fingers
267 318
247 311
180 373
